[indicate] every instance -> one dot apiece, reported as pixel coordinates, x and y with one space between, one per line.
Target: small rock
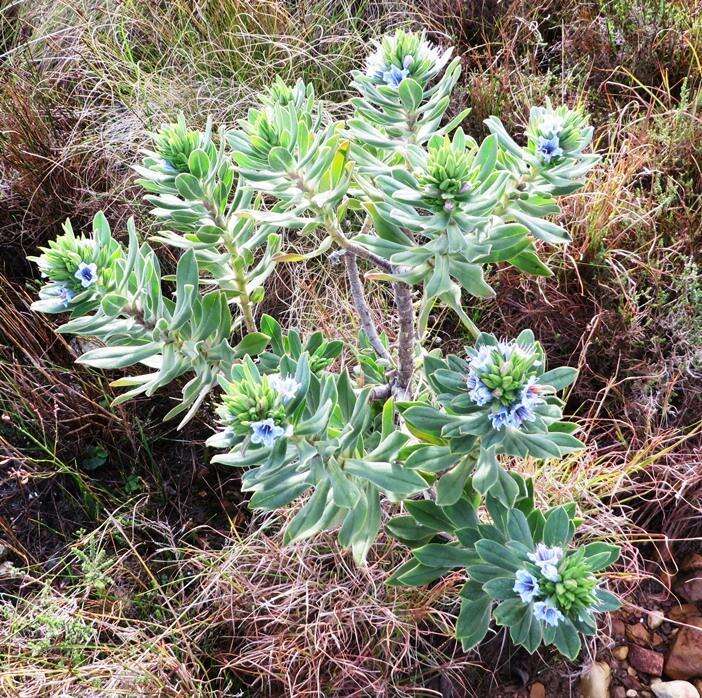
693 562
684 660
686 610
631 693
638 633
656 640
655 619
621 652
673 689
538 690
595 682
691 589
698 685
618 627
646 661
619 692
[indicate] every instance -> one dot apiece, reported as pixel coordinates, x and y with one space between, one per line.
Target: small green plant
427 206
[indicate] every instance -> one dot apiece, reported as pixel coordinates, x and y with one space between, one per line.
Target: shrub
427 206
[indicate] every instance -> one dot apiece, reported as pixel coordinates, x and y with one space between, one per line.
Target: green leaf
344 492
425 423
313 517
557 528
509 612
199 163
500 588
112 304
606 601
518 528
473 621
528 261
389 477
566 639
427 513
526 631
559 378
188 187
498 555
411 93
601 555
444 555
470 277
251 345
406 529
414 573
486 470
431 459
450 486
281 159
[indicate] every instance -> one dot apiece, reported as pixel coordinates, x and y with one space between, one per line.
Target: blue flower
285 387
526 586
265 432
551 573
547 559
65 294
501 418
375 64
86 274
395 76
549 148
478 392
547 612
483 359
521 413
531 393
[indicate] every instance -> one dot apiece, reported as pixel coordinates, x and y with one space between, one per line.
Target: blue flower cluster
529 587
504 377
392 75
266 431
548 148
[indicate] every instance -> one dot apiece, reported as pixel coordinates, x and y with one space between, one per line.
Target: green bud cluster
412 52
247 401
448 169
506 372
569 126
574 592
281 93
62 258
174 143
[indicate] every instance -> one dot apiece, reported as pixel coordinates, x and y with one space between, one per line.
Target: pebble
686 610
646 661
638 633
618 628
655 619
631 693
594 683
673 689
621 652
538 690
684 660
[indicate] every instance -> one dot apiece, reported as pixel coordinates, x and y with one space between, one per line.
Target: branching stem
405 340
361 305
